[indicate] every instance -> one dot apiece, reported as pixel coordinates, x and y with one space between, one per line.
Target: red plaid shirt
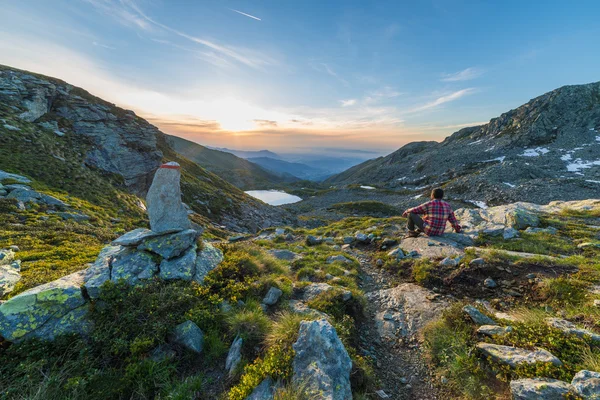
435 214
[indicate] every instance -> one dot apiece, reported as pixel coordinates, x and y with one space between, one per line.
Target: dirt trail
398 365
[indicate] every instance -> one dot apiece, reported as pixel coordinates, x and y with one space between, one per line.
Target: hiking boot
413 234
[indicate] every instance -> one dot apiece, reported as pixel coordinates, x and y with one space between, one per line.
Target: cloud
323 67
247 15
464 75
265 123
444 99
121 13
103 46
348 103
383 93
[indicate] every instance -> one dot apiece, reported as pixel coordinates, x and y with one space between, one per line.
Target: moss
368 207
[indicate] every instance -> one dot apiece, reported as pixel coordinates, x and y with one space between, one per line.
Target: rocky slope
70 140
547 149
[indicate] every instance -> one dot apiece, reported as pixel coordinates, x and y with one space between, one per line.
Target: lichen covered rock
208 259
171 245
540 389
179 268
165 209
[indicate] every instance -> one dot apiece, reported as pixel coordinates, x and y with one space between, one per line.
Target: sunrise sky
297 75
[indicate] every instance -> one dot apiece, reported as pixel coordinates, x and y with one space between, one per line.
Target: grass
368 207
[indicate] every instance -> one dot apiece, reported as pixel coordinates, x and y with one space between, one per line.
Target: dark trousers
414 220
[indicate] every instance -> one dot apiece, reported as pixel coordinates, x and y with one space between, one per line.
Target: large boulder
208 259
321 362
171 245
513 356
540 389
165 209
182 267
45 311
9 276
587 384
404 310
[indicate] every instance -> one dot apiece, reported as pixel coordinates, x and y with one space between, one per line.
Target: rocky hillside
69 140
239 172
547 149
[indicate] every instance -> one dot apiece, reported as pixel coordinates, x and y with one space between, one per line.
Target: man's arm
454 222
422 209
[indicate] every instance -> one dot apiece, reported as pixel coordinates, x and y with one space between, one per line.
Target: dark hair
437 193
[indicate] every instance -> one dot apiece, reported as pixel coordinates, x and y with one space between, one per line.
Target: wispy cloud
265 123
326 68
383 93
121 13
465 75
348 103
444 99
105 46
247 15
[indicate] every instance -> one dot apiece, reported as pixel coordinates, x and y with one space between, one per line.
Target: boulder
587 384
133 266
477 316
7 256
444 247
183 267
549 230
272 296
489 283
165 209
10 275
571 329
300 308
494 330
45 311
540 389
19 178
338 258
188 335
313 241
171 245
448 262
404 310
99 272
514 356
321 363
264 391
314 289
207 260
510 233
134 237
361 237
234 356
286 255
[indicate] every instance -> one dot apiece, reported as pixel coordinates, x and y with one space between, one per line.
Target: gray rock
348 240
264 391
188 335
183 267
361 237
477 316
321 362
99 271
514 356
588 245
445 247
338 258
550 230
314 289
19 178
14 248
234 356
313 241
490 283
133 266
75 215
134 237
45 311
387 242
6 256
448 262
540 389
165 209
587 384
494 330
510 233
208 259
272 296
571 329
300 308
477 262
171 245
284 255
279 231
10 275
161 353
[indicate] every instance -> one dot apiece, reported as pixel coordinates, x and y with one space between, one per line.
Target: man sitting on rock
435 214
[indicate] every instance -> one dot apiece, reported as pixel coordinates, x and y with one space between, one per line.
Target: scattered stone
361 237
264 391
182 267
348 240
272 296
388 243
171 245
379 262
490 283
382 394
588 245
165 209
188 335
448 262
477 262
6 256
445 246
540 389
587 384
550 230
289 237
284 255
494 330
314 289
338 258
571 329
597 303
530 276
301 308
321 362
208 259
313 241
477 316
514 356
14 248
279 231
161 353
10 275
337 247
234 356
510 233
75 216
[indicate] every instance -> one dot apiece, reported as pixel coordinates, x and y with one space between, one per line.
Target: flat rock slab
477 316
516 254
514 356
208 259
314 289
441 248
170 245
540 389
571 329
10 275
286 255
494 330
404 310
134 237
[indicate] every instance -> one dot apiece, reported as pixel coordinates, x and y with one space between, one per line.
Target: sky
307 75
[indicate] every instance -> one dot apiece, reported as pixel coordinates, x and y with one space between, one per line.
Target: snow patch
500 159
579 164
480 204
476 142
538 151
418 196
401 179
567 157
589 180
367 187
510 185
597 138
11 128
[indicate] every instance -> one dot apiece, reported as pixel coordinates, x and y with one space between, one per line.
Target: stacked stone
168 251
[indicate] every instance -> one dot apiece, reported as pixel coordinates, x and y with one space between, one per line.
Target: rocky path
399 363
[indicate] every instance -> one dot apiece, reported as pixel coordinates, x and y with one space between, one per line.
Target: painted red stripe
170 166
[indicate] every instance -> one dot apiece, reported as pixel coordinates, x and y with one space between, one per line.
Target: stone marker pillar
165 209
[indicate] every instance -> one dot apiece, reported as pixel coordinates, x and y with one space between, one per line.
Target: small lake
274 197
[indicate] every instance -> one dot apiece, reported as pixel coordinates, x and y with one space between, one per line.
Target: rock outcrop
165 209
321 363
9 271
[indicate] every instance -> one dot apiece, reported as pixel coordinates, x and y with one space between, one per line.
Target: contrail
247 15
